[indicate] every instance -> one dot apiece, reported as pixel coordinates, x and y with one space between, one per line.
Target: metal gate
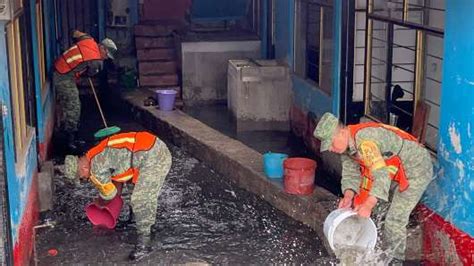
80 15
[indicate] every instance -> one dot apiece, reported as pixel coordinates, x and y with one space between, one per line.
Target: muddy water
202 217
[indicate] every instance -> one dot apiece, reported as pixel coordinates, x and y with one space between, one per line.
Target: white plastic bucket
343 227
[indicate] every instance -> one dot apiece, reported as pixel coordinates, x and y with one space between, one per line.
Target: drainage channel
202 218
219 117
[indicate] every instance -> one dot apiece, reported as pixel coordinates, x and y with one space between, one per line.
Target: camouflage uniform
153 166
67 93
385 143
67 97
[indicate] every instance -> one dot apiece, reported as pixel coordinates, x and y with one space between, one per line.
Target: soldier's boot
142 248
396 262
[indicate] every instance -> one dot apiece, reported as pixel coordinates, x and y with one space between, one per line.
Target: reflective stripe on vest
130 174
85 50
132 141
394 163
402 134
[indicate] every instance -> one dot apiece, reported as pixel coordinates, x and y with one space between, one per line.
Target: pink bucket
104 216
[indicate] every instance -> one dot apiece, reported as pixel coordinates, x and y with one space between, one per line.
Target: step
153 42
157 67
156 54
159 80
153 30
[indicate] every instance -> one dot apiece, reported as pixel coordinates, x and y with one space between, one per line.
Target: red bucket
105 216
299 176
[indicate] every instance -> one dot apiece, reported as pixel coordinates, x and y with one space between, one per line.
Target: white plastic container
343 227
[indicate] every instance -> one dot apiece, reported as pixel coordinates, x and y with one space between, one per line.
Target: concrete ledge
232 159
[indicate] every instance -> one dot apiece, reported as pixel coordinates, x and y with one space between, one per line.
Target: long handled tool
106 131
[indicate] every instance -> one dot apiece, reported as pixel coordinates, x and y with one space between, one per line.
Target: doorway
76 15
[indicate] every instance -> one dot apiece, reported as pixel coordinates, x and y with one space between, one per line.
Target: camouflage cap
110 46
70 166
325 130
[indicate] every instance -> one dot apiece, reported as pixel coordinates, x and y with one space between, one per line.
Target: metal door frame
347 60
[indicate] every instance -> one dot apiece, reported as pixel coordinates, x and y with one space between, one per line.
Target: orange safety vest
394 163
132 141
83 51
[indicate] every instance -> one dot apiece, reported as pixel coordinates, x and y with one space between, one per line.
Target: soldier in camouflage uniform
376 157
137 157
85 57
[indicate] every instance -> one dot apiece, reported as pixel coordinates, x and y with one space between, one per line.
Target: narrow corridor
202 217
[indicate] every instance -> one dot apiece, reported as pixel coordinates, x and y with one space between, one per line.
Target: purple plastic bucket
166 99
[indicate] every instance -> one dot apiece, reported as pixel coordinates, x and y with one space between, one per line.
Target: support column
101 19
449 232
337 44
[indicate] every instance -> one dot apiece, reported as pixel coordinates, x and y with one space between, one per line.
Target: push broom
106 131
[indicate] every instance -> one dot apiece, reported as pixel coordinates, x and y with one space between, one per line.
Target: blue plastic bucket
273 164
166 99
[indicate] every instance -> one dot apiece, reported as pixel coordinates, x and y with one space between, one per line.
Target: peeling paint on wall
442 151
455 138
460 167
469 82
449 236
458 79
467 196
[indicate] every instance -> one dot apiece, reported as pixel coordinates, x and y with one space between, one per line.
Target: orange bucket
299 176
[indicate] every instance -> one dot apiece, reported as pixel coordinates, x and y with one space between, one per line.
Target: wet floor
202 217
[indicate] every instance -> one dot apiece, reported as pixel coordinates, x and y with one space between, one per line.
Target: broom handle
98 103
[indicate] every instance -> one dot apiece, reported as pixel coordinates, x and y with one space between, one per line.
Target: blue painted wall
283 23
38 85
18 177
51 46
307 96
134 14
336 73
452 194
264 28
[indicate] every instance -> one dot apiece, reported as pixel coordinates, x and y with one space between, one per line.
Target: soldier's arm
373 160
94 67
350 174
101 175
